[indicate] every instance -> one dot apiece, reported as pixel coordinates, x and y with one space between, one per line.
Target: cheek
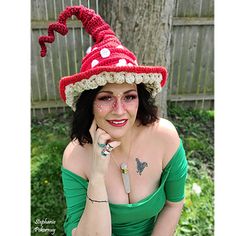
132 106
100 109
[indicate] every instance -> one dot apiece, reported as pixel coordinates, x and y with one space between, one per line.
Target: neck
126 143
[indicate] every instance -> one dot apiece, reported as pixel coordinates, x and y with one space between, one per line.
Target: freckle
99 107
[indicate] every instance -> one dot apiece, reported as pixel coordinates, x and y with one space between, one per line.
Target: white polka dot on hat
105 52
94 63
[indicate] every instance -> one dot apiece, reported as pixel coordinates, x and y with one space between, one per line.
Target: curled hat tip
43 53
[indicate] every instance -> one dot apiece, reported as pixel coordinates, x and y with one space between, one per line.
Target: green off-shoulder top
129 219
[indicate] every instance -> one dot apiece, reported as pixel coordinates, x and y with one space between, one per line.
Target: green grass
198 216
50 136
48 140
196 128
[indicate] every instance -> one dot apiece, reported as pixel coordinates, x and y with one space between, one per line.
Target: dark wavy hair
83 115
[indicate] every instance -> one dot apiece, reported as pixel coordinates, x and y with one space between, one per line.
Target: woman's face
115 108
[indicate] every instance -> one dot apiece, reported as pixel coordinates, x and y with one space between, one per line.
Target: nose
118 107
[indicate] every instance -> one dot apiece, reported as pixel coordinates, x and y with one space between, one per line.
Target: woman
124 170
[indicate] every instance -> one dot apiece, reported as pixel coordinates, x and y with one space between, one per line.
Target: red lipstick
118 123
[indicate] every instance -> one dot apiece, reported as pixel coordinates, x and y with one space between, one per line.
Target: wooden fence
191 74
191 78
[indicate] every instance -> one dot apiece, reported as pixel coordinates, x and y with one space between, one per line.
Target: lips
117 123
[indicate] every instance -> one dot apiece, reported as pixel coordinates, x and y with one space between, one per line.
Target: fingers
114 144
96 132
105 144
107 149
101 138
93 128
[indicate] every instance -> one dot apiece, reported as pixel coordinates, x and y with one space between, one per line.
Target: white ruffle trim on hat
73 91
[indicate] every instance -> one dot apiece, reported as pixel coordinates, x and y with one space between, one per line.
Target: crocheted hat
108 61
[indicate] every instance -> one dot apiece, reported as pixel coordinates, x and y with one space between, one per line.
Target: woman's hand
100 139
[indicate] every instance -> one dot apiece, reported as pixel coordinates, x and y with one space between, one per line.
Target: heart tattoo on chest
140 166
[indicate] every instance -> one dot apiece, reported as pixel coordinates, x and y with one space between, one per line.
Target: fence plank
211 8
35 90
75 52
186 65
183 60
194 8
204 59
47 76
180 59
184 21
70 52
192 59
85 3
59 7
50 10
40 68
181 8
176 10
41 10
209 83
207 58
174 62
48 104
56 65
34 12
170 80
186 8
190 97
78 48
207 8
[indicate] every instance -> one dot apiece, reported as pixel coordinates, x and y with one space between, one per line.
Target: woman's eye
105 98
129 98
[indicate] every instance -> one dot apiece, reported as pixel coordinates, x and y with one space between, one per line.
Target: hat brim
65 81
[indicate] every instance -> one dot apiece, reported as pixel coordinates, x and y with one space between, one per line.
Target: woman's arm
168 219
96 218
175 182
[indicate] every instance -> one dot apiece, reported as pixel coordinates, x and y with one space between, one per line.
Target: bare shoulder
166 128
169 138
74 158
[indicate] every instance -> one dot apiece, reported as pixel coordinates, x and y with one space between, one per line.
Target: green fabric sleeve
75 195
175 183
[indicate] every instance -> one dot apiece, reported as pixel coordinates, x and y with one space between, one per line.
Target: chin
116 133
117 136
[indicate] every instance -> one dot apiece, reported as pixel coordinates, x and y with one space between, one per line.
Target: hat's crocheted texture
106 62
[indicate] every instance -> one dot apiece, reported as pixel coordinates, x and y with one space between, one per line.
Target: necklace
124 172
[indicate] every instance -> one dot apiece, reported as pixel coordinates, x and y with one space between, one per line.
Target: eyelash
105 98
130 97
127 98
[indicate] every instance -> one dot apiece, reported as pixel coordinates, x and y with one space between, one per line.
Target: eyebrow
110 92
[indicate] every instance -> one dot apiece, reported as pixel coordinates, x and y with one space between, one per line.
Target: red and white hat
106 62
